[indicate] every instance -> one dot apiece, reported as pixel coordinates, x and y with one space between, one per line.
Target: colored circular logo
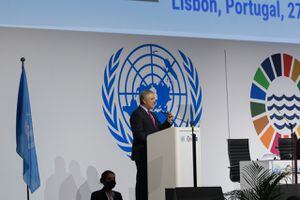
174 79
275 99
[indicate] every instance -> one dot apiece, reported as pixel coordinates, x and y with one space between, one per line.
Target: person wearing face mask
108 179
144 122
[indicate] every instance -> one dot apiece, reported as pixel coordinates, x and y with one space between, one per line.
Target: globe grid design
149 66
275 99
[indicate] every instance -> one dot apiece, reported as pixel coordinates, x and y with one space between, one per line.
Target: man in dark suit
143 123
108 179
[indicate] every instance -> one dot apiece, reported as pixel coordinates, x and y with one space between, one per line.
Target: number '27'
294 10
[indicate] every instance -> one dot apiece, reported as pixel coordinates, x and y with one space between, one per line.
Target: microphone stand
295 153
194 153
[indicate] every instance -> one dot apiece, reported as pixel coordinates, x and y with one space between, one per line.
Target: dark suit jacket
142 126
100 195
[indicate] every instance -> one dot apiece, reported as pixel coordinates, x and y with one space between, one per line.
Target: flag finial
22 60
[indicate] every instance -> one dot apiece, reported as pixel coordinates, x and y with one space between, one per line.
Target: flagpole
27 192
27 188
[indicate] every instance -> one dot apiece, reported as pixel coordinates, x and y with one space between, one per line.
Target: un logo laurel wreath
196 92
115 125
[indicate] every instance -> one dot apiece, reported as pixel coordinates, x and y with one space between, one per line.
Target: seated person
106 193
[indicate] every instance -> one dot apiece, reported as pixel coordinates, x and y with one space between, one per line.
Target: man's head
108 179
147 99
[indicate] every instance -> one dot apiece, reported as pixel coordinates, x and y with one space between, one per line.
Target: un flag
24 136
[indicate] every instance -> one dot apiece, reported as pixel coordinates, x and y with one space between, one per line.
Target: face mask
109 184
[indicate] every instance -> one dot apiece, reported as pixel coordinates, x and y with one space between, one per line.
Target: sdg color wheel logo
275 99
173 78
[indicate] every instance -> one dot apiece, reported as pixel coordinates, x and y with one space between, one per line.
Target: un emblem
152 67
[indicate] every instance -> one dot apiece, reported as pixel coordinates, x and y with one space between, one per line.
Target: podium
170 162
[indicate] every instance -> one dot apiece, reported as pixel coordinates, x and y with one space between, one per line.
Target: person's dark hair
104 175
143 95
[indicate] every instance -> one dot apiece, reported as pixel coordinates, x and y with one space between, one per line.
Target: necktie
152 118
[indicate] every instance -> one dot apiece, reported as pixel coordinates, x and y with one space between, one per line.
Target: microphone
165 112
177 118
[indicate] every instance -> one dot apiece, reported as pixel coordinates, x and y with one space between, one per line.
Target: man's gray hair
144 94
